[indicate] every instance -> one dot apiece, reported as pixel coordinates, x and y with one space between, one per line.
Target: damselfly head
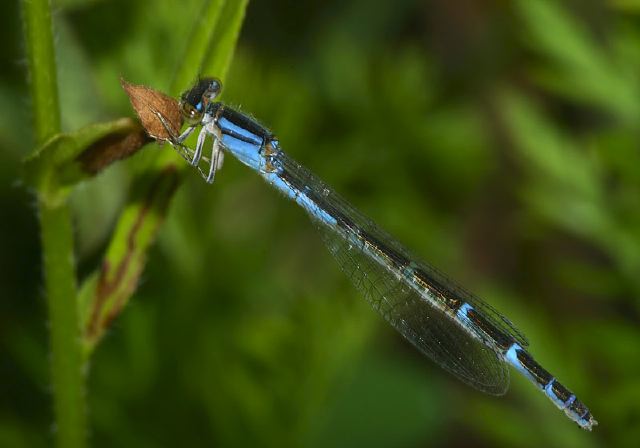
194 101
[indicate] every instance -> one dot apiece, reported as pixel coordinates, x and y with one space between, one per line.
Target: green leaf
581 68
200 39
106 292
223 42
566 184
547 151
68 158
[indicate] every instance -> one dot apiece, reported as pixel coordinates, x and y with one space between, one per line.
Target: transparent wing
426 327
332 201
472 359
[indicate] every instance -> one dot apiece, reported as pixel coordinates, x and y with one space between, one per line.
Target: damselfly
456 329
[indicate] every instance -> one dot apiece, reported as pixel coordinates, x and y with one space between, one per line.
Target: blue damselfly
456 329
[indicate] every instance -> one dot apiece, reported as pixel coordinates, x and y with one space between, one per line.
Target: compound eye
190 113
213 89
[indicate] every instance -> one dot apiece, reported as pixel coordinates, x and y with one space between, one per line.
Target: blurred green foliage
497 139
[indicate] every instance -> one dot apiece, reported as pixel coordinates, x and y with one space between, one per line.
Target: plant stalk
57 238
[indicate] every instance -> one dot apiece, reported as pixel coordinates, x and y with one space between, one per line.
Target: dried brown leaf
112 147
150 105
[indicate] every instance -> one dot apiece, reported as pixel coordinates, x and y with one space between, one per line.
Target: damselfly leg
194 156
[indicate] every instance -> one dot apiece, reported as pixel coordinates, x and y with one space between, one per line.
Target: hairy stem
67 365
57 238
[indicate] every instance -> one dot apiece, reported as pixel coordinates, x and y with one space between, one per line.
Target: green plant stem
42 68
57 238
67 365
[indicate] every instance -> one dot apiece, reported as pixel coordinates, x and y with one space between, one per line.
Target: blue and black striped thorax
238 125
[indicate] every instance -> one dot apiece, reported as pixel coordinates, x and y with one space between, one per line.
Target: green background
498 140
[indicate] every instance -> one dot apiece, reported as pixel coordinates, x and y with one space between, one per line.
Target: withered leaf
150 105
112 147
